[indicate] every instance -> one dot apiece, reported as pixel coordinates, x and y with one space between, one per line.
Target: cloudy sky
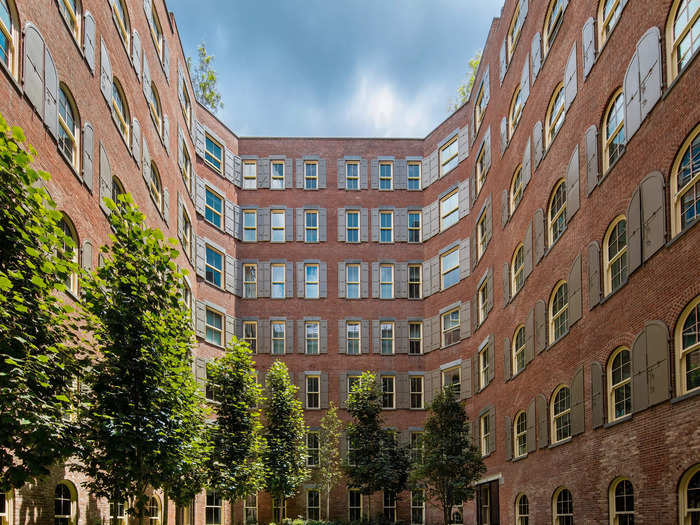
346 68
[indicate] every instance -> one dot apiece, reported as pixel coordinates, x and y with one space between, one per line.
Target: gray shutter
364 334
364 280
199 140
506 284
237 222
435 273
539 234
540 327
148 9
491 352
105 73
401 280
527 164
649 52
263 346
88 154
403 391
640 384
401 225
289 224
145 161
487 150
201 316
375 174
136 140
300 225
146 79
577 403
375 280
597 399
364 224
341 342
375 224
323 224
509 438
633 104
427 284
324 337
230 166
502 62
341 224
402 338
400 174
136 52
530 337
464 266
230 274
105 179
166 59
166 133
363 174
656 334
180 146
229 216
264 276
527 251
289 279
570 82
89 40
588 43
465 385
323 277
324 390
34 67
50 94
200 266
591 159
300 279
464 320
166 206
322 171
427 335
525 80
425 173
230 329
342 398
542 422
572 186
593 274
463 198
537 143
504 135
634 231
289 336
505 205
263 171
536 49
463 143
653 214
263 224
200 196
488 222
86 256
507 359
436 333
425 223
531 426
341 174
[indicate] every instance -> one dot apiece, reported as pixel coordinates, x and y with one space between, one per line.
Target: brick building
535 249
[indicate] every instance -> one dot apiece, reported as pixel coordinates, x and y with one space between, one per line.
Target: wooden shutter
341 279
649 53
427 335
572 186
588 43
464 320
506 284
375 174
539 234
136 52
527 251
166 206
505 208
591 159
146 72
507 359
50 114
537 143
593 274
536 49
322 225
597 395
364 334
166 133
88 155
375 280
89 40
658 369
463 143
229 269
640 385
509 438
633 105
136 140
634 232
504 135
540 326
577 403
570 83
465 383
200 195
86 255
364 224
527 164
341 174
530 336
33 71
289 224
464 266
201 318
653 214
341 226
323 280
106 73
105 179
574 288
542 422
364 280
525 80
463 198
502 62
531 426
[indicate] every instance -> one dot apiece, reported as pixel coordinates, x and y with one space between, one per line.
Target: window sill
559 443
553 343
682 232
12 78
553 245
611 294
611 167
673 83
447 346
551 140
687 395
617 421
72 295
519 458
212 224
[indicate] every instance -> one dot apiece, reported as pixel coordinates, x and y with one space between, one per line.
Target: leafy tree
329 470
146 427
451 463
235 465
37 359
465 89
204 80
285 454
376 461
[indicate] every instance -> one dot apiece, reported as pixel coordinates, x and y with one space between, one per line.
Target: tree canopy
205 79
465 89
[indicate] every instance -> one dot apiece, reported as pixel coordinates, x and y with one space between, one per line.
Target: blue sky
340 68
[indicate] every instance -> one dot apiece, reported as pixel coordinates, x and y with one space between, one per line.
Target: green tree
376 461
465 89
329 470
285 453
37 356
146 427
235 465
204 79
450 462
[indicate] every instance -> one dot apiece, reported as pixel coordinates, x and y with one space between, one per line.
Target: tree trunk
445 514
328 505
369 506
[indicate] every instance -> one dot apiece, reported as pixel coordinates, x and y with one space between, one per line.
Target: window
250 334
563 510
8 38
312 330
414 175
614 138
516 189
64 504
250 225
552 21
156 32
186 168
414 281
388 391
117 189
685 184
311 282
214 327
353 381
416 447
120 110
352 226
213 153
310 175
516 111
522 510
311 226
688 348
187 295
250 281
277 279
389 506
313 505
119 508
313 392
557 212
68 128
481 168
352 281
278 337
71 249
277 225
516 24
277 175
615 255
452 377
386 226
70 9
279 512
417 507
414 226
156 109
449 210
353 338
608 15
519 350
385 175
386 281
250 174
212 508
484 498
250 509
483 302
485 434
689 496
214 266
153 511
186 232
683 36
352 175
517 270
155 187
449 157
555 114
416 392
213 208
558 312
449 268
621 499
520 434
450 327
386 335
415 338
484 366
479 107
561 414
185 102
354 505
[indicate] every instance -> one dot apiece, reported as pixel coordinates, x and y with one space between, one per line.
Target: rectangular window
389 506
352 226
311 281
415 284
479 107
212 508
250 174
452 377
416 447
185 101
279 513
386 281
277 278
187 295
352 281
250 334
450 327
414 226
278 337
186 232
354 505
214 153
414 175
481 236
250 281
484 367
313 505
250 509
312 446
310 175
449 210
415 338
387 338
311 226
483 301
352 175
352 337
449 268
277 226
388 392
213 208
480 169
352 382
209 388
385 175
485 433
186 168
417 507
416 392
277 175
386 226
313 392
214 266
449 156
312 330
250 225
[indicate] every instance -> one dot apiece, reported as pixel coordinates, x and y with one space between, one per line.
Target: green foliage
465 89
235 466
204 80
451 463
329 470
37 359
146 426
285 432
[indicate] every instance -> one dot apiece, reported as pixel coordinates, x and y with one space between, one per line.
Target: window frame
72 135
307 339
355 177
677 193
355 508
613 511
451 373
212 506
313 513
522 516
254 229
410 178
519 350
672 43
156 30
275 178
352 283
444 272
388 341
122 114
209 155
416 394
484 367
480 169
449 160
555 506
209 210
308 178
563 415
215 330
683 509
384 283
606 24
482 299
556 331
412 229
382 178
415 283
156 108
348 339
211 267
681 352
312 398
555 120
520 431
415 508
388 394
609 138
186 232
73 282
276 282
278 340
559 215
348 228
254 345
517 270
186 168
249 174
620 256
12 35
72 502
312 229
450 335
515 193
451 214
383 229
484 434
515 112
481 236
308 283
277 229
514 31
248 282
248 516
550 29
72 17
417 341
479 110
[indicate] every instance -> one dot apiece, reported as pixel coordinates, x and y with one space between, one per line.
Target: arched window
8 36
156 32
619 384
121 17
561 414
558 311
155 187
517 270
522 510
516 189
552 21
614 125
516 111
615 255
119 509
65 499
689 497
156 111
117 189
557 212
682 35
120 109
519 349
685 184
608 15
70 9
687 342
69 128
555 115
562 507
621 502
520 435
479 107
154 510
6 507
71 251
516 24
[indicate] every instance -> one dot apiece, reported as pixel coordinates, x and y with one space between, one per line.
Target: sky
336 68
